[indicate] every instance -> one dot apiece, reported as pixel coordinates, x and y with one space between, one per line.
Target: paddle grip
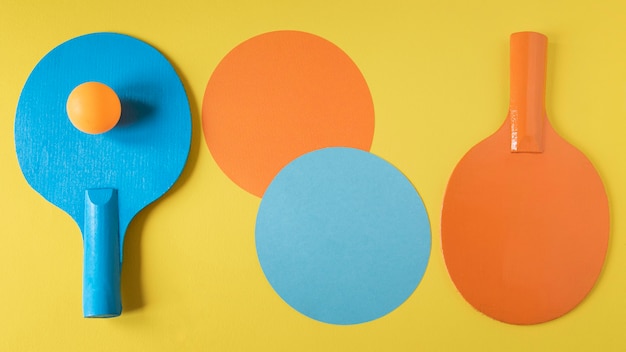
102 266
527 112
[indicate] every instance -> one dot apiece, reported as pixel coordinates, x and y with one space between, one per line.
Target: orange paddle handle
527 112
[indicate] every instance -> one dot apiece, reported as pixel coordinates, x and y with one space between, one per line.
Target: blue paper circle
141 157
342 236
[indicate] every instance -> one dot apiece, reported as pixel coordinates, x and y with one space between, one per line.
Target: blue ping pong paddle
103 180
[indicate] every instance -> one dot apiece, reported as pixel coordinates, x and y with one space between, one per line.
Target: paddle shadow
132 285
133 112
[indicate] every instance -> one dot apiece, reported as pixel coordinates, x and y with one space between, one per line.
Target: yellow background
438 73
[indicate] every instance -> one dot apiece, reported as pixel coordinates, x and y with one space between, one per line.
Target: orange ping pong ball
93 107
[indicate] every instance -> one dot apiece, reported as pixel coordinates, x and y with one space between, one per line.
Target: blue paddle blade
140 158
342 236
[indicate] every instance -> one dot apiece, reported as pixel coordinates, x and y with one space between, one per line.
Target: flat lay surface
438 76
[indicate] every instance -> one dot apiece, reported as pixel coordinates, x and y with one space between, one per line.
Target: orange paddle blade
525 219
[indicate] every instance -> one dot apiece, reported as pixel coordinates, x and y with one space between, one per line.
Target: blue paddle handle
102 266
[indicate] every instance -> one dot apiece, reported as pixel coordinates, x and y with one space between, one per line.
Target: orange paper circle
280 95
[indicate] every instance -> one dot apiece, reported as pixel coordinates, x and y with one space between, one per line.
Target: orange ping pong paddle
525 219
